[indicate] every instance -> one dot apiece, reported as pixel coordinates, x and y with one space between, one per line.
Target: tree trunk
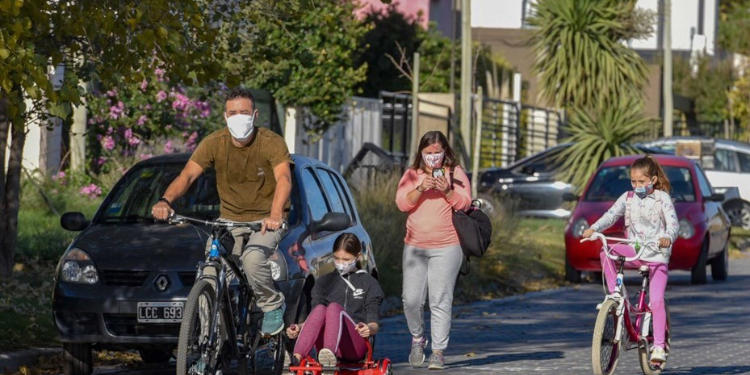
11 187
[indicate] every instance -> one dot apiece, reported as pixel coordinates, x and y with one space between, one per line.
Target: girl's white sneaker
658 355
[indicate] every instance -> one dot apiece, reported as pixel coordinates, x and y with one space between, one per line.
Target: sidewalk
10 362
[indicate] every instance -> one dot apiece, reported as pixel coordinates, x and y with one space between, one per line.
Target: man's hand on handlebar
161 211
271 224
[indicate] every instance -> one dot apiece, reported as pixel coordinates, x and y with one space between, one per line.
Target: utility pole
667 79
415 106
477 144
466 75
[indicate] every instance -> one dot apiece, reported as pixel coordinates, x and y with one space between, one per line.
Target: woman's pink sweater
430 221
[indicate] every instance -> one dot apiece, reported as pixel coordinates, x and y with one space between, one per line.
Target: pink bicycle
615 319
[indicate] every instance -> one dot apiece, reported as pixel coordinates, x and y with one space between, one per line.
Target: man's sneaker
437 362
326 358
273 321
658 355
416 356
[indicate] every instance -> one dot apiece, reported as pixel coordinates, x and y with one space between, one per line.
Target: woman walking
429 191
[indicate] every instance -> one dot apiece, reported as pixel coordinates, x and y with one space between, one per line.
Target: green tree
102 39
584 67
707 87
581 59
300 50
734 26
599 134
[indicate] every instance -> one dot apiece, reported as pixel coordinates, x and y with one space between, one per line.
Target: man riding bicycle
253 179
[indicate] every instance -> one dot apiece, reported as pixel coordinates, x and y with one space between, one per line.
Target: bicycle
614 319
221 321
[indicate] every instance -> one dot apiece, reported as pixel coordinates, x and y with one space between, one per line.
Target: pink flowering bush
91 191
127 122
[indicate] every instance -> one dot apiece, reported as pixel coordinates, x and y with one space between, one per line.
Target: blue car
122 282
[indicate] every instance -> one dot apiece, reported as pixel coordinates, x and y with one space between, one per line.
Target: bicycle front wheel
605 349
194 331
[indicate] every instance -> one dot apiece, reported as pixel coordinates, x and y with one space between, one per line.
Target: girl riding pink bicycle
649 214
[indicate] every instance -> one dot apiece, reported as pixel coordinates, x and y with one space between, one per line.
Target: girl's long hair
348 242
651 168
429 138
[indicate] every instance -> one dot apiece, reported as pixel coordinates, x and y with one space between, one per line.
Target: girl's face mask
642 186
433 160
345 268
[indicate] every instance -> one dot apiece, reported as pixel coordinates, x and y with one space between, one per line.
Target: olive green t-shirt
244 175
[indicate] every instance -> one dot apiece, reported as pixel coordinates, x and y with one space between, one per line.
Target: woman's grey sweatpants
430 272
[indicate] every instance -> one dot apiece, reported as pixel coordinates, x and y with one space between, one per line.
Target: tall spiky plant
599 134
580 58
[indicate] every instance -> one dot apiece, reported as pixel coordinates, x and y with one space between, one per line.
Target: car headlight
77 267
580 226
686 229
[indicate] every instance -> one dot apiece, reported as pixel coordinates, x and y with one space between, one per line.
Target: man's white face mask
240 126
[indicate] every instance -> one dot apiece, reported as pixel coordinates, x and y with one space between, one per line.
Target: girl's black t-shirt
362 303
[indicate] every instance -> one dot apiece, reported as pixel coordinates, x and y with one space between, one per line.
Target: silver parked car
727 164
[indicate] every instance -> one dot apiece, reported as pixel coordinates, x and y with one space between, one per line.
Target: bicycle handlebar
607 252
179 219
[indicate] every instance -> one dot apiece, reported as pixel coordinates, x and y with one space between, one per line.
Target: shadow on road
726 370
512 357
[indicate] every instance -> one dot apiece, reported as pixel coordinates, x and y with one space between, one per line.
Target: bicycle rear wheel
605 350
194 331
643 352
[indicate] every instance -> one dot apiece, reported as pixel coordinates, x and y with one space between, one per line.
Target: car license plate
160 312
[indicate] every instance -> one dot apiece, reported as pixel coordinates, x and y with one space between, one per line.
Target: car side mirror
529 170
73 221
569 197
331 222
716 197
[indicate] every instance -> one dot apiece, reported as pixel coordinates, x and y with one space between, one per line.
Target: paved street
550 332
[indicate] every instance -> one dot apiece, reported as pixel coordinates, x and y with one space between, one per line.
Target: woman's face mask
240 126
433 160
346 267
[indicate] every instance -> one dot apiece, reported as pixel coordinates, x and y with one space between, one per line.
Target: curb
10 362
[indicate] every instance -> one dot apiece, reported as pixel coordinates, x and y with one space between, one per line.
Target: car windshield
611 182
141 188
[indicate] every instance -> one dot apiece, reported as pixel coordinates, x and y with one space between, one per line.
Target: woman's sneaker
437 362
326 358
658 355
416 356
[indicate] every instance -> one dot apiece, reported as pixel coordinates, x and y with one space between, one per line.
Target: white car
729 166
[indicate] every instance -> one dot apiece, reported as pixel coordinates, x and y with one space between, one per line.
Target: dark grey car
531 187
123 263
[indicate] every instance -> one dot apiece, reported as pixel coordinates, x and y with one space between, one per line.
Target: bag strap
628 201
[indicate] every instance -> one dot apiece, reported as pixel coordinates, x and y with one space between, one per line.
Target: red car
703 236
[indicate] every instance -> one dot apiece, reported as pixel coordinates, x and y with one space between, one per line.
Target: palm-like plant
580 58
599 134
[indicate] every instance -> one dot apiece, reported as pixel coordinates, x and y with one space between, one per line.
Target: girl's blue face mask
643 191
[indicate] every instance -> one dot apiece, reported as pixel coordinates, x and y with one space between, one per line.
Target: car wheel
720 265
571 274
698 272
78 359
153 355
739 214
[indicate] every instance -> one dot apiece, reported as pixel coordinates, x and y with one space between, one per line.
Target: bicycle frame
225 268
637 331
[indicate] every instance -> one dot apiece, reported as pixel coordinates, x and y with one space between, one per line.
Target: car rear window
134 195
611 182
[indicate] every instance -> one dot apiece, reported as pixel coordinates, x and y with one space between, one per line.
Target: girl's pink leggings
331 327
657 284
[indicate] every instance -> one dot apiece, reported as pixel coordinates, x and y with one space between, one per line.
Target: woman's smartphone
438 172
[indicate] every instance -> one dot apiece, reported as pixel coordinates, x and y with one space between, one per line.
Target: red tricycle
309 366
